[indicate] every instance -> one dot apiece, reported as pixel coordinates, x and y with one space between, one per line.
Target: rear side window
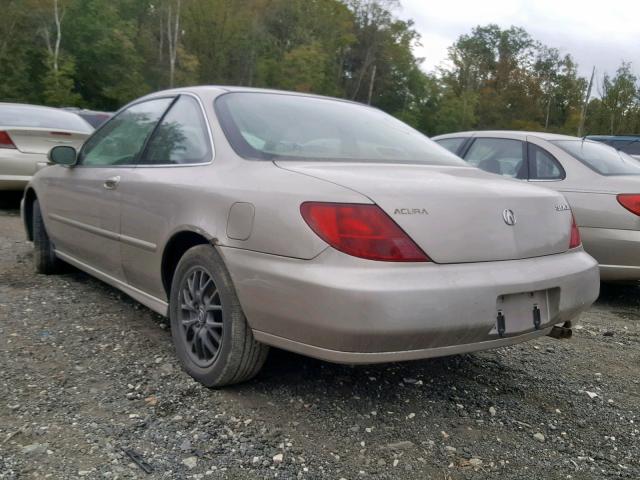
502 156
37 117
121 140
542 165
181 137
451 144
632 147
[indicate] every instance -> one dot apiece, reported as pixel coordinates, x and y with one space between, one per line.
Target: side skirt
154 303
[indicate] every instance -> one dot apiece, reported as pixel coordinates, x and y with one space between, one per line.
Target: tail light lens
5 140
631 202
575 241
361 230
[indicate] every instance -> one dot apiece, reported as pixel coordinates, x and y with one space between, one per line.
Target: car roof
509 133
615 137
215 90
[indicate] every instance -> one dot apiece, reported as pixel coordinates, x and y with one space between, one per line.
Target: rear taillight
575 234
630 201
5 140
361 230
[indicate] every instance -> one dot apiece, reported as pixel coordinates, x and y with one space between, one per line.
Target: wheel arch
173 251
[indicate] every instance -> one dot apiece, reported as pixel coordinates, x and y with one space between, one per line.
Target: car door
84 201
157 196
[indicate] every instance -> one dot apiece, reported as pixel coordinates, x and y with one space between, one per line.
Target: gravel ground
86 373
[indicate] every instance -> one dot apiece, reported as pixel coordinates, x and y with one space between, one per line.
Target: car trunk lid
457 214
41 140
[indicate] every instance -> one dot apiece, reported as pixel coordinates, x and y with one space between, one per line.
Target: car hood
456 214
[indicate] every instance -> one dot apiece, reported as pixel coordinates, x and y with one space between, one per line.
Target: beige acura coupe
255 218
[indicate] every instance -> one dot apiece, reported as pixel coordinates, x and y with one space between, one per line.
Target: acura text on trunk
255 218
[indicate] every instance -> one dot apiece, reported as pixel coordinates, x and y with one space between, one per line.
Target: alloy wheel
200 317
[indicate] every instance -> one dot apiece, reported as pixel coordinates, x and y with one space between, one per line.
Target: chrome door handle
112 182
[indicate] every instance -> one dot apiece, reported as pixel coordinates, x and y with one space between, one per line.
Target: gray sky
600 33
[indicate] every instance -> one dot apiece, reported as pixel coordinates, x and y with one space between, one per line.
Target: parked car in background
601 184
27 133
629 144
316 225
94 118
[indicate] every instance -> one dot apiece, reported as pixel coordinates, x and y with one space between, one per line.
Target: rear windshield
451 144
271 126
95 119
26 116
601 158
632 147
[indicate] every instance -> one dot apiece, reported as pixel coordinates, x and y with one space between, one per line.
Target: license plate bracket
521 312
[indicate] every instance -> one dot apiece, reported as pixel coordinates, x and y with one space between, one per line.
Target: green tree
59 84
102 41
620 100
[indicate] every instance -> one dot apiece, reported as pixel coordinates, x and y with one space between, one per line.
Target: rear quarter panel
158 202
15 163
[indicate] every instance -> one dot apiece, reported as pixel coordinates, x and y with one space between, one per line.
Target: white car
601 184
27 133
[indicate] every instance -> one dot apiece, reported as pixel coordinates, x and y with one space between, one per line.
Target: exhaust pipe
562 332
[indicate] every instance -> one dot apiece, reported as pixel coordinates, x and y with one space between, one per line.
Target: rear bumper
17 168
13 182
343 309
617 252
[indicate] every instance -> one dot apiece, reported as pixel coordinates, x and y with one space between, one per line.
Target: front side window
502 156
542 165
451 144
270 126
120 141
181 138
600 158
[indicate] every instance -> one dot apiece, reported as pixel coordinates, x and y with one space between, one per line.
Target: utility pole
373 79
583 113
173 36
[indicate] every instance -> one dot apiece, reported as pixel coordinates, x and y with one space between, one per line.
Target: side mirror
63 155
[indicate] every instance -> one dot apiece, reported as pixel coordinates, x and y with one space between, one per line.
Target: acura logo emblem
509 217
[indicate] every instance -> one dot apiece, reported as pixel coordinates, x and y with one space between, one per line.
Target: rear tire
44 256
210 332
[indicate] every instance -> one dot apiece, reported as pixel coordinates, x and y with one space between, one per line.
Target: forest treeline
103 53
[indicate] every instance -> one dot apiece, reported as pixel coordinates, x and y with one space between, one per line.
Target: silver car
27 133
601 184
255 218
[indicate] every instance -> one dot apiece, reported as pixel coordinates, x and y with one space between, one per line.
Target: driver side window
120 141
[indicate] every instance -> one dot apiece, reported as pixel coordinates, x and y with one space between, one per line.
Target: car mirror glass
63 155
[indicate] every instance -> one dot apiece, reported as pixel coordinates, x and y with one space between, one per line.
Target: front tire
210 332
45 260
